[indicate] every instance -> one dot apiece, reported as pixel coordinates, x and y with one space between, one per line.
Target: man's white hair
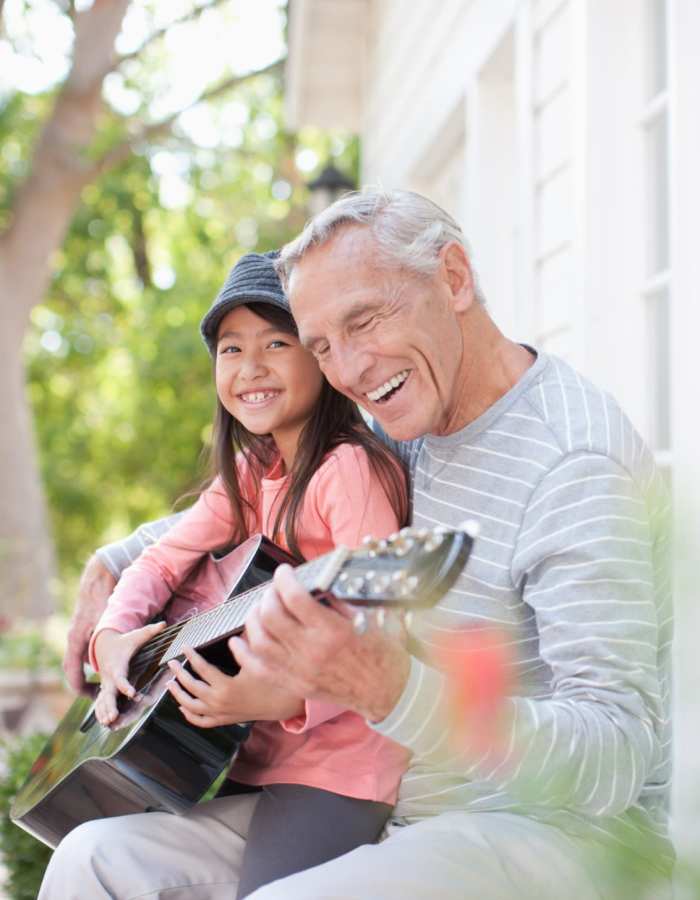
408 231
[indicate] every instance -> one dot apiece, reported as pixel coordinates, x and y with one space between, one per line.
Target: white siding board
544 11
561 344
553 134
404 117
555 278
555 212
445 184
553 55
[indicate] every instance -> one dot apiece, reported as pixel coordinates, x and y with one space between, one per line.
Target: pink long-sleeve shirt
326 747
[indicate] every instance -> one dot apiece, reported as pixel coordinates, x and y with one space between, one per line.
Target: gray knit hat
252 280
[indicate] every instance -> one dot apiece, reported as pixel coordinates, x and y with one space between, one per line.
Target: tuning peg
356 585
433 541
471 527
359 622
370 545
402 545
408 586
380 583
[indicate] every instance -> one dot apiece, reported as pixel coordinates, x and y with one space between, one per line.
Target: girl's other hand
210 698
113 651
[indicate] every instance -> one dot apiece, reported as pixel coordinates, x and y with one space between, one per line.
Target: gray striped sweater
571 564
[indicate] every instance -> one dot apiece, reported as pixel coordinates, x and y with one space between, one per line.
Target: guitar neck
231 615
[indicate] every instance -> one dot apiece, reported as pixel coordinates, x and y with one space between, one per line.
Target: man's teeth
258 396
389 385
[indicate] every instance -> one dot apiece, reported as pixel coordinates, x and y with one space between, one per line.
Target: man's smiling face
387 338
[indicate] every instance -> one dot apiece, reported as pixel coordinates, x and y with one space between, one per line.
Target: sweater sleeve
146 586
583 564
119 555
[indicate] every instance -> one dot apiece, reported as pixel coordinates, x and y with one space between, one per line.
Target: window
656 281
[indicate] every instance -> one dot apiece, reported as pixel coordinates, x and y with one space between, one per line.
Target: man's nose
350 363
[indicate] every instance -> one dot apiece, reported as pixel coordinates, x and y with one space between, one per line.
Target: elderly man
570 563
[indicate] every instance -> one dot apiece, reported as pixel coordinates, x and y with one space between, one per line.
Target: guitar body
151 758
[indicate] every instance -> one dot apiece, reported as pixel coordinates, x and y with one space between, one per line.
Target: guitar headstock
411 569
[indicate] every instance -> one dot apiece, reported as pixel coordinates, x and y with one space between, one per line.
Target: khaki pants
455 856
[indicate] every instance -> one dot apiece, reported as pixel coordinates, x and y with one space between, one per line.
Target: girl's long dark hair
335 420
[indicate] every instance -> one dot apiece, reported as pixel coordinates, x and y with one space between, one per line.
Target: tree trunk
26 557
41 213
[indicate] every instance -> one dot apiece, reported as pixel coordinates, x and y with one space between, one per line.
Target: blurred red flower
477 663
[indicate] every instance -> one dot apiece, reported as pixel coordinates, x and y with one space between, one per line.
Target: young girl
309 475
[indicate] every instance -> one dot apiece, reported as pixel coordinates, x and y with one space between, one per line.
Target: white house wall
429 80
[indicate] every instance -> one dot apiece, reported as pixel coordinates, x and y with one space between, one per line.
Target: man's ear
457 273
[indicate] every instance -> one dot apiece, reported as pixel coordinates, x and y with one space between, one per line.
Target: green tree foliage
118 378
24 857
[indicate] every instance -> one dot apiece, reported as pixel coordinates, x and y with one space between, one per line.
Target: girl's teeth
256 398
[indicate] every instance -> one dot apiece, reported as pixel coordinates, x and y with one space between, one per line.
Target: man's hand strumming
96 584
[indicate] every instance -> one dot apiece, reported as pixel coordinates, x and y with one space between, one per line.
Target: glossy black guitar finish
151 757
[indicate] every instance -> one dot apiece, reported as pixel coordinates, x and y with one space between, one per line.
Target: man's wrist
385 701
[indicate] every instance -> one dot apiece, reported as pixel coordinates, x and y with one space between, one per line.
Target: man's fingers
183 698
73 668
259 637
194 686
245 656
306 609
200 721
76 654
206 671
294 598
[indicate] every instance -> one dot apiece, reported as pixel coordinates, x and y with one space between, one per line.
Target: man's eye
321 350
365 324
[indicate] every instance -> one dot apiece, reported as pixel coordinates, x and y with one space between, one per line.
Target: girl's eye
275 344
230 348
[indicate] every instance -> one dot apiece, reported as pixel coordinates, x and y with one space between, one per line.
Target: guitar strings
154 648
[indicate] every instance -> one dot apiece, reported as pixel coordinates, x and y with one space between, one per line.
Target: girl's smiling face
265 378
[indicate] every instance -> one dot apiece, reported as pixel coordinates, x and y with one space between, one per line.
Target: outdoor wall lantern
327 188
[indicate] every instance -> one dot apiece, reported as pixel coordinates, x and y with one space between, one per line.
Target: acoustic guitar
150 757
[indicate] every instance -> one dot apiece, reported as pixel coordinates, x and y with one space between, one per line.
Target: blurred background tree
142 150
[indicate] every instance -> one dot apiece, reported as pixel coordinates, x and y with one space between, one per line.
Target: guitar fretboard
232 613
